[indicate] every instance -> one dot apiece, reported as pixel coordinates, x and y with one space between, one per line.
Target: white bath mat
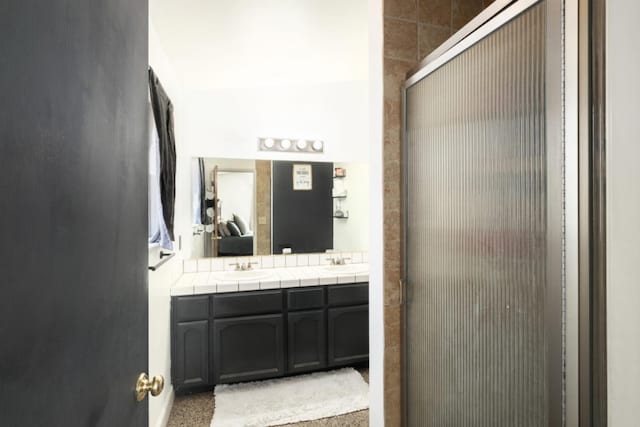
290 400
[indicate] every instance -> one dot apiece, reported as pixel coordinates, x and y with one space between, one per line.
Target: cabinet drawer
304 299
355 294
246 303
191 308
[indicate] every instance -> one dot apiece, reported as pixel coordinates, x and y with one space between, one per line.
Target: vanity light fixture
301 145
285 144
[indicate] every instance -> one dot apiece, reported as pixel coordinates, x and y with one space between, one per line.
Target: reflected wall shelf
339 194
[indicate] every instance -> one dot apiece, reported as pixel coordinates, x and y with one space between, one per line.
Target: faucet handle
341 260
249 264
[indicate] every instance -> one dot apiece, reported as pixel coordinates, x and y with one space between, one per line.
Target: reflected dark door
302 219
73 216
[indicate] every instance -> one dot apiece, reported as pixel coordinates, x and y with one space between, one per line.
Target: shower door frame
562 134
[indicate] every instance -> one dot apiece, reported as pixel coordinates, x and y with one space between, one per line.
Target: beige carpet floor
196 410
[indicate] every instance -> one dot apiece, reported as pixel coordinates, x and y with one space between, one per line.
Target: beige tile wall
412 30
263 207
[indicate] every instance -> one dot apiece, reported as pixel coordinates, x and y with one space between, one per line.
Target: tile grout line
405 20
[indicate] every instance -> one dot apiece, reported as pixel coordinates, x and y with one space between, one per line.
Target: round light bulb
301 144
285 144
317 145
269 142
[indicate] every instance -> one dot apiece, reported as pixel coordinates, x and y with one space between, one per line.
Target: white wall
623 212
352 234
159 335
376 255
160 62
227 122
221 44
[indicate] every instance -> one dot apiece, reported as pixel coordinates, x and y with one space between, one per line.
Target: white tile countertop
291 277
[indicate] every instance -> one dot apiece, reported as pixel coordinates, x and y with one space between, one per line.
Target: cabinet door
307 341
348 335
190 363
248 348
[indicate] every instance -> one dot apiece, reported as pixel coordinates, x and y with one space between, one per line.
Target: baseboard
163 419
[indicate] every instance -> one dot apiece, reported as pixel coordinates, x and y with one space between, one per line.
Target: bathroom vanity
227 337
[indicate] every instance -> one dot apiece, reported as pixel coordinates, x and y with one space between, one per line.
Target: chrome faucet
243 266
338 260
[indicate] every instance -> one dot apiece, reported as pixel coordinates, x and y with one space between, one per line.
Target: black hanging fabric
203 193
163 115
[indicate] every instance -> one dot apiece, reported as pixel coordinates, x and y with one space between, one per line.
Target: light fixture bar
290 145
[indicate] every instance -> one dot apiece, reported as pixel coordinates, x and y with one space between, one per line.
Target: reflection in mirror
263 207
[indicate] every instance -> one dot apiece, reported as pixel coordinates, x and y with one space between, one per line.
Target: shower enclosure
485 224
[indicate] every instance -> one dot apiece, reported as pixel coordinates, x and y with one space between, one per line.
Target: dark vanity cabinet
348 324
349 335
190 358
235 342
246 336
306 329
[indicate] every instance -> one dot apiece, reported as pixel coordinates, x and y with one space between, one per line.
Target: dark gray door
294 210
73 216
191 357
348 335
248 348
307 340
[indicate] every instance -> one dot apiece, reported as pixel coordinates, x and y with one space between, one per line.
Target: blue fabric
196 190
158 232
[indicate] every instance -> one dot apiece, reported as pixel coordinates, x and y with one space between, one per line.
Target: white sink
346 268
243 276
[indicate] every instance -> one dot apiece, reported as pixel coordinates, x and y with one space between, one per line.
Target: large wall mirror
264 207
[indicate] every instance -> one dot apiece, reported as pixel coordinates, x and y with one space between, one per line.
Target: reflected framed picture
302 177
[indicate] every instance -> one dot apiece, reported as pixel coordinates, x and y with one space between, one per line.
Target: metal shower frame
565 68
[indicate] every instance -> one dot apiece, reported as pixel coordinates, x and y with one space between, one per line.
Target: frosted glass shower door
476 234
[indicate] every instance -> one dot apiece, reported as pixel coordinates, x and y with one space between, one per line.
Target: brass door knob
144 386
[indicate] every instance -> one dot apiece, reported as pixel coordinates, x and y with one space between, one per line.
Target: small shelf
339 177
341 217
344 196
